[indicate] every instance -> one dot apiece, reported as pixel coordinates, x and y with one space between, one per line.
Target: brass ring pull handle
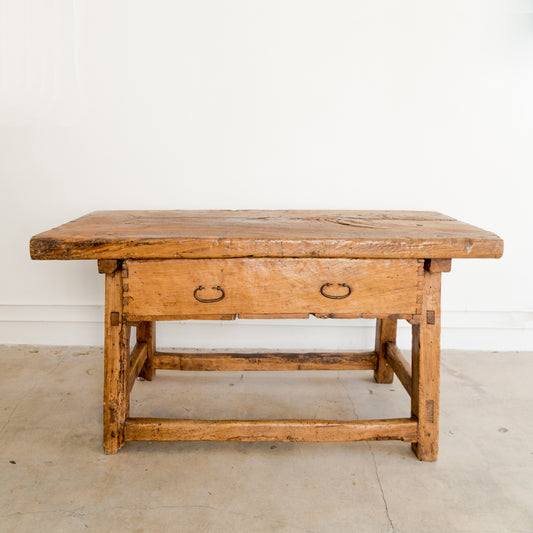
335 297
217 288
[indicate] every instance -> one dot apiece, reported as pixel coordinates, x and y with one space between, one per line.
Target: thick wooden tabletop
209 234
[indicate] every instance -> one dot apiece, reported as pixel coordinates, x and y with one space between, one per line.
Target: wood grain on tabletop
255 233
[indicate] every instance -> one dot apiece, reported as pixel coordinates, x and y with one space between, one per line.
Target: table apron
175 289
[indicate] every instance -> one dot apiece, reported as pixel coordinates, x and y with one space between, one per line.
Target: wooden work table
179 265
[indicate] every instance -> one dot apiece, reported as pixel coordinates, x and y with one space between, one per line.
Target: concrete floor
54 476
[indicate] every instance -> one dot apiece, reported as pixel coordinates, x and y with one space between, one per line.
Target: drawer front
181 287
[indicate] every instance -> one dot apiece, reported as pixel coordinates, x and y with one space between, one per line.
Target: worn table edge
53 245
45 248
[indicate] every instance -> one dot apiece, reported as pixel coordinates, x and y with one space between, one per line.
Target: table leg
426 370
116 365
146 333
385 332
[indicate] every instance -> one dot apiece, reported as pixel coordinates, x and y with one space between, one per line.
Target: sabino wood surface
210 234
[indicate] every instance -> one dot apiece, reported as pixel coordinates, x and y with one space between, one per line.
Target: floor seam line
381 488
392 530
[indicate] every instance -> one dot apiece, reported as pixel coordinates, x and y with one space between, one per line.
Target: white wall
344 104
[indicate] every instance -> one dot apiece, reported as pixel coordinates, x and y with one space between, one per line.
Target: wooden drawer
163 289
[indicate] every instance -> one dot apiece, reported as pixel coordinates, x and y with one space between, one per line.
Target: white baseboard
83 325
